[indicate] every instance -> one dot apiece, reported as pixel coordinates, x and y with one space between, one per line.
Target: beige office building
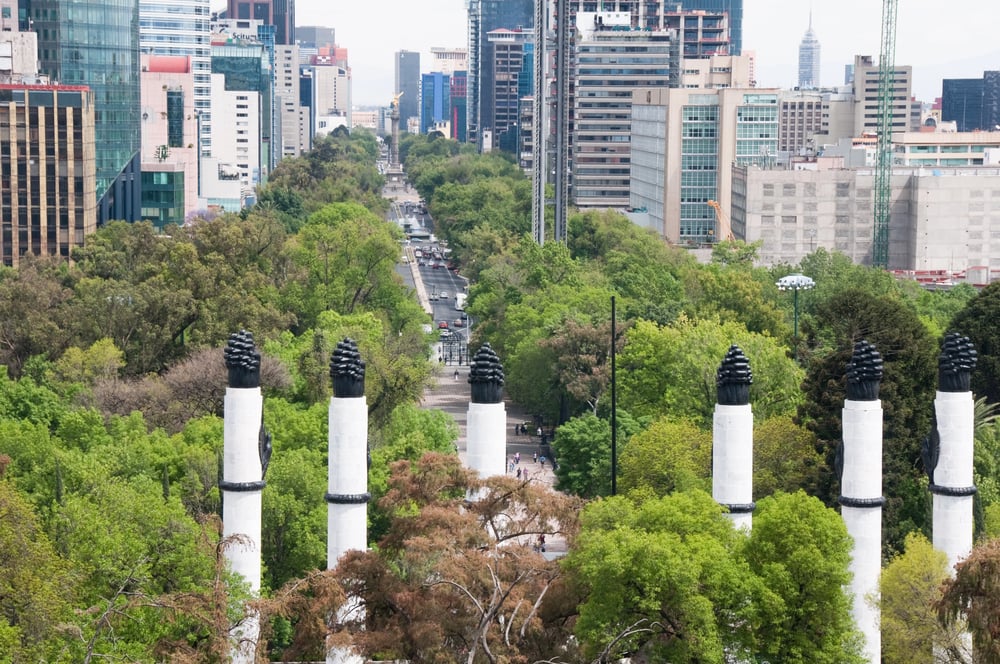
941 218
48 177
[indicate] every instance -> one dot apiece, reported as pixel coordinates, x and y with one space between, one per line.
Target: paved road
453 396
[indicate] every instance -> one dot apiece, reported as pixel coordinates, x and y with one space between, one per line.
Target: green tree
672 369
907 389
976 321
909 588
670 569
801 551
582 448
784 457
668 456
37 587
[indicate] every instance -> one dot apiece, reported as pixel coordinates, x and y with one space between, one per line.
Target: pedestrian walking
518 473
456 374
539 432
534 457
517 457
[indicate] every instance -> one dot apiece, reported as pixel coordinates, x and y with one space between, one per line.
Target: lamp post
795 283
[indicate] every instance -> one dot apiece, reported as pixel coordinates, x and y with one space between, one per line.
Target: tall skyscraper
486 16
408 82
279 13
809 50
96 43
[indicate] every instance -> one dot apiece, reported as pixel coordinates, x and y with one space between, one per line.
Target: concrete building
407 81
800 118
287 96
941 218
905 112
169 139
99 49
809 52
331 96
716 71
449 60
683 145
978 148
48 179
602 101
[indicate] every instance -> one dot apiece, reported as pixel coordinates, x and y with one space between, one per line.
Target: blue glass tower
96 43
435 100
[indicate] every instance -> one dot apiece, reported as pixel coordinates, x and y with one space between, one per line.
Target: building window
175 118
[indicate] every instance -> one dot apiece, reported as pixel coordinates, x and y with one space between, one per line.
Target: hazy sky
952 39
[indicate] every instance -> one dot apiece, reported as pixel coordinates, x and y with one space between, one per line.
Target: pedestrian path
452 396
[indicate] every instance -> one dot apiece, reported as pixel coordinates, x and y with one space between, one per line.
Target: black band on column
861 502
242 486
740 508
955 491
348 498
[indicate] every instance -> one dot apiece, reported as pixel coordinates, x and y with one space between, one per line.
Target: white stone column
732 439
246 452
347 487
347 478
861 490
486 426
948 454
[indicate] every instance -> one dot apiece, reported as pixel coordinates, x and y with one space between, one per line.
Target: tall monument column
347 465
732 439
486 428
948 452
860 466
246 452
347 485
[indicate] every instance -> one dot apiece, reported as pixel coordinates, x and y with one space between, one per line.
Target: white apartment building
286 95
233 170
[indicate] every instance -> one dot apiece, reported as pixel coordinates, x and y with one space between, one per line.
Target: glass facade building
435 100
699 167
96 43
962 102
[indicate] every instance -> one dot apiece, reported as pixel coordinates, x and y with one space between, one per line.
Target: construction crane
725 229
883 157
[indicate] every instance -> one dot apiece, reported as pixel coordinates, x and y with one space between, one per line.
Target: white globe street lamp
795 283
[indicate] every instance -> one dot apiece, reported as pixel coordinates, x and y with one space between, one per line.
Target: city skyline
959 48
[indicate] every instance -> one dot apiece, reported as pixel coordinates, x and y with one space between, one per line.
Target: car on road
459 322
432 297
443 325
444 334
444 295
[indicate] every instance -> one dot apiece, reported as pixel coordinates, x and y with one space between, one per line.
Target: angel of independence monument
486 426
347 494
732 439
948 451
859 463
246 453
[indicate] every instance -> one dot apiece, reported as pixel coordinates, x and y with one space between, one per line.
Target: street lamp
795 283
